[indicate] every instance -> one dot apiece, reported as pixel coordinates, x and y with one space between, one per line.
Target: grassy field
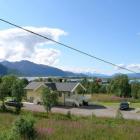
61 127
113 101
110 98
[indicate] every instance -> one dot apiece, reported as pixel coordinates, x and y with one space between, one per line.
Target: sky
108 29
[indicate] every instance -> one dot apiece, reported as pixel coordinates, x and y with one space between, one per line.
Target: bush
119 115
69 115
24 127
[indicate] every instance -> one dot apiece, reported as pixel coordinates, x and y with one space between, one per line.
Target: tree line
13 87
119 86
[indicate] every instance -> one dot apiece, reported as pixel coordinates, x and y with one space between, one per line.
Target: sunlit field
65 127
112 100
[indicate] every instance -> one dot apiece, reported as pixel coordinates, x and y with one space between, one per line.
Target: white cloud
134 67
16 45
79 69
118 67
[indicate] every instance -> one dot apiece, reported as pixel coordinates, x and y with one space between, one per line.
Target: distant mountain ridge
30 69
27 68
3 70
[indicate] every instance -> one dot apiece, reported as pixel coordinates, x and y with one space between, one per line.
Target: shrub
69 115
93 116
119 115
24 127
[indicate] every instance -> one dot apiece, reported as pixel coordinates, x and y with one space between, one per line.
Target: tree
25 82
50 79
119 85
49 98
94 87
103 89
86 84
18 92
135 89
8 81
3 94
0 79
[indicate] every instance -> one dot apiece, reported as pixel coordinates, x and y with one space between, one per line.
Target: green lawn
60 127
116 105
113 101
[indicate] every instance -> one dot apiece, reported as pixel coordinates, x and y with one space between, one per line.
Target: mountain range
30 69
27 68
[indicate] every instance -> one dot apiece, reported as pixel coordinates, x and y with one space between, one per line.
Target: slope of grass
63 127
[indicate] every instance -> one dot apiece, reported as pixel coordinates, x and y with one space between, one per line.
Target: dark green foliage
86 84
5 88
50 79
18 92
135 89
24 127
94 87
25 82
3 94
120 86
10 86
8 81
103 89
49 98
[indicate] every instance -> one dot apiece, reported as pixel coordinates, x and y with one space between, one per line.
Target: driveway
96 110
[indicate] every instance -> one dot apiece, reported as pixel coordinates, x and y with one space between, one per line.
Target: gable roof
62 86
67 86
34 85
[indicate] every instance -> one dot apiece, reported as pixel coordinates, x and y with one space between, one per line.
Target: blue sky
108 29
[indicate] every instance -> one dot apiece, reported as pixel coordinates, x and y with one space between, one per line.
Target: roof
61 86
34 85
66 86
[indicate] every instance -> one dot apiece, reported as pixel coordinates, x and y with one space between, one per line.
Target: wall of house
79 90
37 95
34 96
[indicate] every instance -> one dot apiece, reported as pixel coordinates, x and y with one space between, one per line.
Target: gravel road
97 110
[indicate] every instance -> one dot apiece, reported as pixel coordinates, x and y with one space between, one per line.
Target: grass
132 105
70 127
113 101
111 98
62 127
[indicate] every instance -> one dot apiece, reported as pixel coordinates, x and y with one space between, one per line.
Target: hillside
3 70
27 68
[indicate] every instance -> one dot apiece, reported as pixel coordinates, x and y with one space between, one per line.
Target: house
65 89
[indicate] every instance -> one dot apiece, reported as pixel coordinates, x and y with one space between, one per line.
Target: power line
67 46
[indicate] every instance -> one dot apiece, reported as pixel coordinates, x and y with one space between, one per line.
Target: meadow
112 100
69 127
